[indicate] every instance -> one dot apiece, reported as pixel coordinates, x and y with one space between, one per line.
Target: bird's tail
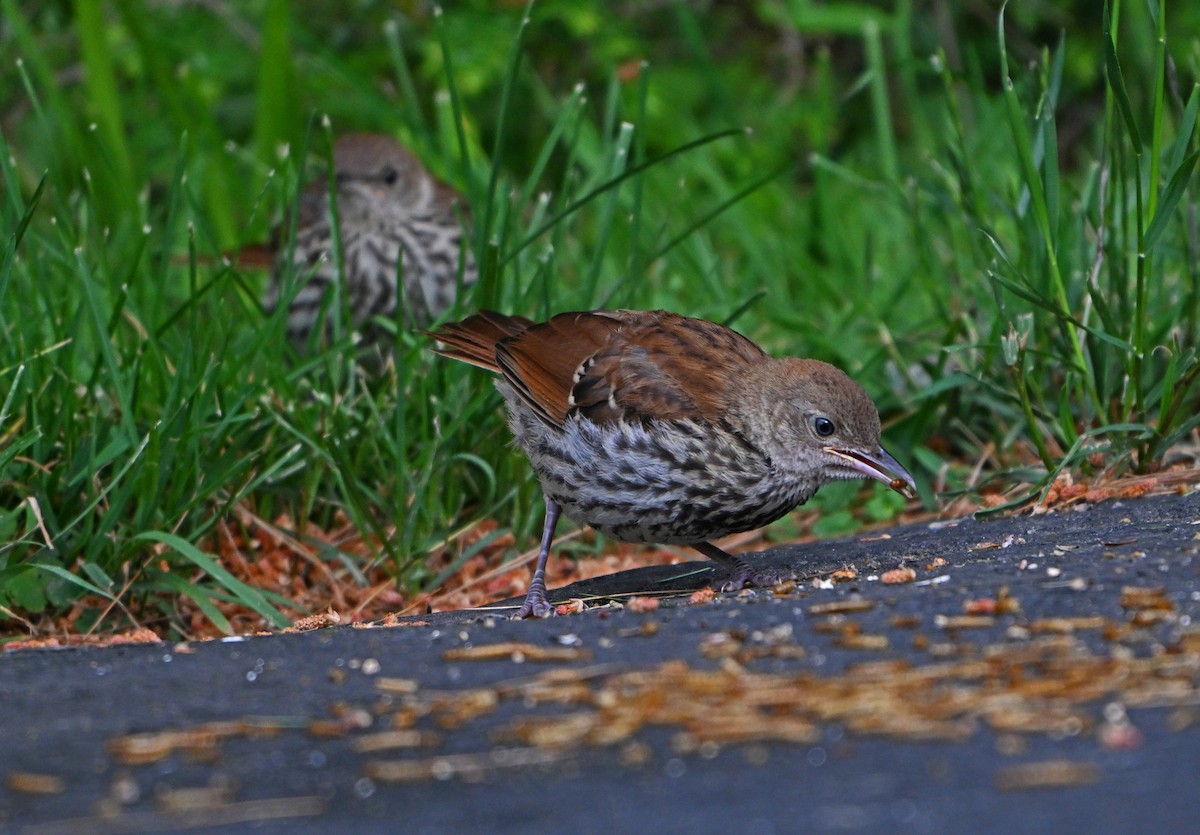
474 339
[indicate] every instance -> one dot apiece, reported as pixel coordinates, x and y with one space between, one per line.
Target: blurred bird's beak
880 466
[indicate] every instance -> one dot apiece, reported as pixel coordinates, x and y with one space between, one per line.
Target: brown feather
661 365
541 363
474 339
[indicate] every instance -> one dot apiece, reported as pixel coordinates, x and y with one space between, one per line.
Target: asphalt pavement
1033 674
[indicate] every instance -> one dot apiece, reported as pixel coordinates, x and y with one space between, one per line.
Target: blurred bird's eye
823 426
390 176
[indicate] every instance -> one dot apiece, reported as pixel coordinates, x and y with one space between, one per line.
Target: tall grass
1094 310
922 227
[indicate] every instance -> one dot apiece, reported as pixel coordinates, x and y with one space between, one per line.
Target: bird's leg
536 604
739 568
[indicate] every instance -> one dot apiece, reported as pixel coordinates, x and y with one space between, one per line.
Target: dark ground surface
291 758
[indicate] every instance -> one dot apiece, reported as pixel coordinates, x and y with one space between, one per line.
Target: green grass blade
74 579
246 595
1187 125
14 240
104 98
275 114
1170 199
199 596
1116 82
885 139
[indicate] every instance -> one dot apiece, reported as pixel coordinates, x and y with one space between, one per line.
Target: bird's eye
823 426
390 176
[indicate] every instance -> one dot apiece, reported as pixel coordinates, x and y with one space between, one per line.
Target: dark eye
823 426
390 176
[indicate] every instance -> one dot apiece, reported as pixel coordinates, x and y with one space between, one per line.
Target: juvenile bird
658 428
390 211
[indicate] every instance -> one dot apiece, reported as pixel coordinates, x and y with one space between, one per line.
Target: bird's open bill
882 467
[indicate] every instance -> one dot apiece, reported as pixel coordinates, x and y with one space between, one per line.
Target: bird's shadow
800 562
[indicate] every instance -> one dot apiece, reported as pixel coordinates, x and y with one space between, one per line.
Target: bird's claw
743 575
536 604
737 579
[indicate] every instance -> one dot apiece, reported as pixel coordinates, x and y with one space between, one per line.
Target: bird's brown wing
625 365
664 366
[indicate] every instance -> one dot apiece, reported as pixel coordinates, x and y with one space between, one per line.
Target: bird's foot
771 577
741 572
536 605
740 575
744 575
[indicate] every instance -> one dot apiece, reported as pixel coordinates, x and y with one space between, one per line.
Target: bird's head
817 423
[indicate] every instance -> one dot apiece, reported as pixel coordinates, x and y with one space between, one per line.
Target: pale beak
880 466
